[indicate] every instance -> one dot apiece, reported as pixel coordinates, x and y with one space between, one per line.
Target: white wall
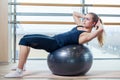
4 31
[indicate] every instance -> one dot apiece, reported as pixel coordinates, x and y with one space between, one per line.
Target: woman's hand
99 25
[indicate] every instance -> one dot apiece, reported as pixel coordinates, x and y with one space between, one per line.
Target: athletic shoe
16 74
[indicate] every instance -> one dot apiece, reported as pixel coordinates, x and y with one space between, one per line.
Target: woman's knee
23 41
28 41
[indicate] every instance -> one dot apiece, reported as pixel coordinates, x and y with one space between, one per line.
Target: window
111 48
30 14
27 13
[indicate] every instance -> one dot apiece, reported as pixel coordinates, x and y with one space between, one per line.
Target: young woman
80 34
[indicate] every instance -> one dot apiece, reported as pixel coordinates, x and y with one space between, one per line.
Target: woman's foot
15 74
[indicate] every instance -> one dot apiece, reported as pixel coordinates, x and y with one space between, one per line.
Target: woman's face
88 21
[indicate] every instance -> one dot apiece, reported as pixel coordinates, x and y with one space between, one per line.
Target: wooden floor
98 65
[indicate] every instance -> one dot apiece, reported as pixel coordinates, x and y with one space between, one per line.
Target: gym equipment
70 60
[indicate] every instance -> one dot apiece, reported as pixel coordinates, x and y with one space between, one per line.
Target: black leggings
39 41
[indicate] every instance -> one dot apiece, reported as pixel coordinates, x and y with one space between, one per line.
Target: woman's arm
86 37
77 17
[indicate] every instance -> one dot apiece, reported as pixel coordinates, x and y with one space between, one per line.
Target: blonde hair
100 37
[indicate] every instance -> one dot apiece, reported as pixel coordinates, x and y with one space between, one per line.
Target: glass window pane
50 9
111 48
44 18
104 10
50 30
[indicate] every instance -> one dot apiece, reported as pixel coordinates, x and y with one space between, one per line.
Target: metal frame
14 29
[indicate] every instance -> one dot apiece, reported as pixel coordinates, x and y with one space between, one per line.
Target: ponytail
100 37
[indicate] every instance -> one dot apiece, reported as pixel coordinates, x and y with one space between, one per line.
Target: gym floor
98 65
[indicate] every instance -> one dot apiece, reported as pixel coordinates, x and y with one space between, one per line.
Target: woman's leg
24 51
37 42
23 54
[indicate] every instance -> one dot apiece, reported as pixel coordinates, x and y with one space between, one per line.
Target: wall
4 52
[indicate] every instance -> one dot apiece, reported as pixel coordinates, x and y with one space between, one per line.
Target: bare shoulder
83 38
